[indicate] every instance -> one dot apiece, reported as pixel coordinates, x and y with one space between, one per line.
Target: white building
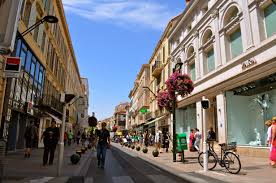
228 48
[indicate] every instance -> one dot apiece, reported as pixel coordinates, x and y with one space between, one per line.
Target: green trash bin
181 144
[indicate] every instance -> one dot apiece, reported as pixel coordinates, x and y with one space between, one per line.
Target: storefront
22 94
186 119
248 107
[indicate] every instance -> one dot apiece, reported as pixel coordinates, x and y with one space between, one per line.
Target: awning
55 118
157 119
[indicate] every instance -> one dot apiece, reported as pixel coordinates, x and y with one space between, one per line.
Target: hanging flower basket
180 83
163 99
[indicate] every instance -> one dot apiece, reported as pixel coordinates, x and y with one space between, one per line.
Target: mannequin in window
263 101
257 141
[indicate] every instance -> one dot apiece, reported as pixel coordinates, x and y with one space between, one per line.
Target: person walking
192 140
78 137
70 137
65 138
197 139
83 139
211 137
272 156
103 143
146 139
166 141
50 139
30 135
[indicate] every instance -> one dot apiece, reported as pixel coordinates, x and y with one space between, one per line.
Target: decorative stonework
215 14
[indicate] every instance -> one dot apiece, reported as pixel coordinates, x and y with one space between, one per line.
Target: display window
248 108
186 119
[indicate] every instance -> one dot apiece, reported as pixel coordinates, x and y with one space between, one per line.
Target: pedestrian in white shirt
197 139
268 140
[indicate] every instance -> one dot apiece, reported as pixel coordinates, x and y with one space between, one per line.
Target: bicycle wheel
232 162
212 161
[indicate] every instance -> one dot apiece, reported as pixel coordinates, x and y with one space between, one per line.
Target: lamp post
177 68
48 18
145 87
67 99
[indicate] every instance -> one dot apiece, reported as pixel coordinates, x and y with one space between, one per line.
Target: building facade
120 116
49 68
160 69
228 49
139 97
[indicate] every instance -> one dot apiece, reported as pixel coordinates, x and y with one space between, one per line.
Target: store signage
30 109
249 63
143 110
12 67
9 16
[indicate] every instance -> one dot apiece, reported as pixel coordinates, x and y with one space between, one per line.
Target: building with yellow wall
49 68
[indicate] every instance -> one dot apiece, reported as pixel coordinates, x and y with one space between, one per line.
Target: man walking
30 135
103 143
50 139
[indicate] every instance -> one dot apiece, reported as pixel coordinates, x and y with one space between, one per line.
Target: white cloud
122 12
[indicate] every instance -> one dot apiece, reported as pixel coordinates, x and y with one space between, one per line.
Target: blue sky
112 39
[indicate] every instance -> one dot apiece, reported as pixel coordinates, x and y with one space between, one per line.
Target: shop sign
30 109
12 67
9 15
144 110
248 63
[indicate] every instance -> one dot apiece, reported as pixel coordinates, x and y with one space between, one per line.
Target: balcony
149 116
50 104
157 69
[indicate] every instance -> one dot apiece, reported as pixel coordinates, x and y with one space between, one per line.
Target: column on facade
223 49
184 60
198 57
256 20
247 25
217 46
221 117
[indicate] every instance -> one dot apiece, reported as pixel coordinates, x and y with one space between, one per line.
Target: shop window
270 17
236 43
37 70
186 119
28 61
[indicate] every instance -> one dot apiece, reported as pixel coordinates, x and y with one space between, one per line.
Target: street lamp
48 18
67 99
145 87
177 67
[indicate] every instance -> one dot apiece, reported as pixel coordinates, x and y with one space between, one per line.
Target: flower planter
79 152
155 153
145 150
75 158
138 148
83 150
132 147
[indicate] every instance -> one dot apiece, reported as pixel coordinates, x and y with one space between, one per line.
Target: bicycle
228 158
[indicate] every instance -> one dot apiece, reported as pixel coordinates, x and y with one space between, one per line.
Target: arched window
231 23
208 49
191 62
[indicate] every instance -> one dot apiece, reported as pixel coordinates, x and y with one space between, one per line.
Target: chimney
187 2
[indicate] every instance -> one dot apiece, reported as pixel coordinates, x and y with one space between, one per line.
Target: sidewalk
253 169
17 168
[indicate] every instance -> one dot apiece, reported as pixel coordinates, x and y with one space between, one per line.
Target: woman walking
197 139
192 140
